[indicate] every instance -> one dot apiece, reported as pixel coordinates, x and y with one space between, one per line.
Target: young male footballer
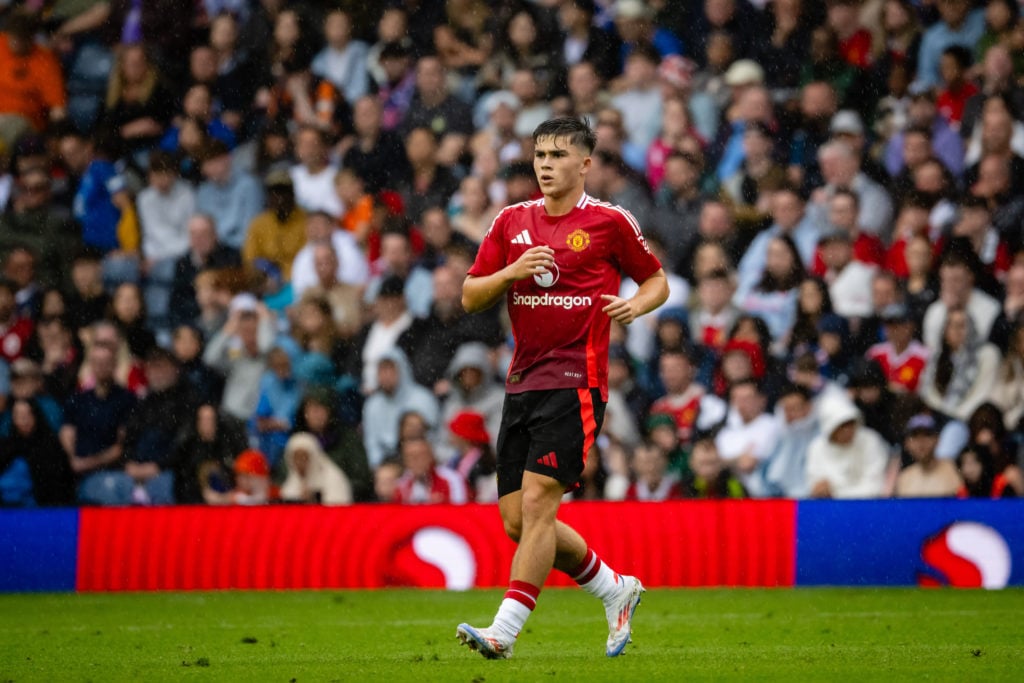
557 261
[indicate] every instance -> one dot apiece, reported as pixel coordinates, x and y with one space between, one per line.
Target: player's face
560 166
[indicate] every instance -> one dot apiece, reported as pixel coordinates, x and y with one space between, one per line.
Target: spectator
774 296
345 299
278 402
231 198
1008 388
32 450
689 404
128 312
25 381
138 106
471 385
789 217
999 134
849 280
396 393
960 374
320 414
396 261
901 357
840 167
473 210
313 176
423 480
206 383
397 87
93 433
997 69
928 476
312 476
713 314
959 24
749 190
611 180
239 350
203 454
15 332
474 457
205 252
923 113
342 61
748 436
34 221
677 203
584 42
843 209
433 107
845 459
358 214
710 478
954 66
653 482
32 91
957 276
429 184
252 483
198 106
151 431
980 477
377 155
321 229
234 70
639 95
277 234
785 470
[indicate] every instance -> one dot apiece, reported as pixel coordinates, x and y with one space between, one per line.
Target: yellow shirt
274 241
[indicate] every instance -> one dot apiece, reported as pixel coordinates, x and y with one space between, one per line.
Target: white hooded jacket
322 475
853 471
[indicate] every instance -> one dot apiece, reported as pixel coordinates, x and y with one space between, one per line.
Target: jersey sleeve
493 252
635 256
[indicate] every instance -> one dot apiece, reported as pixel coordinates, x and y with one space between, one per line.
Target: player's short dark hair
575 128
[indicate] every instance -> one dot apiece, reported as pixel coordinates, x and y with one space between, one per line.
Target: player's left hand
618 309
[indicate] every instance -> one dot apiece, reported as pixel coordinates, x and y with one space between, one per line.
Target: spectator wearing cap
849 281
957 277
846 459
278 233
922 112
36 222
205 252
474 457
252 485
959 24
901 357
841 168
583 42
962 369
846 125
377 155
31 83
232 197
928 476
239 351
313 176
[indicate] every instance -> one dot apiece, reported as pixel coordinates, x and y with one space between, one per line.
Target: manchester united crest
578 240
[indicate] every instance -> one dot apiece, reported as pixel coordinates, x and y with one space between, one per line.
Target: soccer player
557 261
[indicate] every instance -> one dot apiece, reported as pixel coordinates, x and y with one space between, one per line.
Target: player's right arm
480 292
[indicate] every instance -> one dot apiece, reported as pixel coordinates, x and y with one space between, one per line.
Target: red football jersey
561 333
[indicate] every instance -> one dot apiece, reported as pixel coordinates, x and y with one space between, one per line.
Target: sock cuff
587 569
524 593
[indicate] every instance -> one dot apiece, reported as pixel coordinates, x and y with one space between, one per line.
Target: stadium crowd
233 236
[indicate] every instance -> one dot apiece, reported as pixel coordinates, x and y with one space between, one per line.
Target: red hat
252 462
392 201
469 425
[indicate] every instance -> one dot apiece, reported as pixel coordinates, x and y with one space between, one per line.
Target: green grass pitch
408 635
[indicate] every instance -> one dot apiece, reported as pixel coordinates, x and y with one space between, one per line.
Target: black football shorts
548 432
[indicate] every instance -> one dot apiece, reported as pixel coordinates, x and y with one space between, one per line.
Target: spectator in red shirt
423 480
854 39
843 209
14 331
953 67
901 357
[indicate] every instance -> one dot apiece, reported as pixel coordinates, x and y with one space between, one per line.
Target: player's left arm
652 293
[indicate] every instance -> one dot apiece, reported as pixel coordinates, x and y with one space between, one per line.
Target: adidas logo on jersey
522 238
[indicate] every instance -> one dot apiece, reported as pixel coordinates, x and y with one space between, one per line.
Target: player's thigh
563 428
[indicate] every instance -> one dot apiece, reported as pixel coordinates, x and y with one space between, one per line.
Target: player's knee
537 505
514 528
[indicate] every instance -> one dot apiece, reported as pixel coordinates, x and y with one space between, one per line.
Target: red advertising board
691 543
